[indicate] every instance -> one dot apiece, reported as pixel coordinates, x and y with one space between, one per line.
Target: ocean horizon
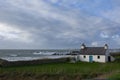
23 55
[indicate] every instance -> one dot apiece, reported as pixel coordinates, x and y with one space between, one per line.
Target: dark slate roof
93 51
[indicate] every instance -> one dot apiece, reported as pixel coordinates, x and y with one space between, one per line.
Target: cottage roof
93 51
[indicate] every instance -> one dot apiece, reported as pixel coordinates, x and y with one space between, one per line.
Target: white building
95 54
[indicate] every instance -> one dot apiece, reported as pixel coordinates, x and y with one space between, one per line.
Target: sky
59 24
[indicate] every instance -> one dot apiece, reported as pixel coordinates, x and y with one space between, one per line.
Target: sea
23 55
31 54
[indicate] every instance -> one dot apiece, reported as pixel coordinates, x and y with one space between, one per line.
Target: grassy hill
62 71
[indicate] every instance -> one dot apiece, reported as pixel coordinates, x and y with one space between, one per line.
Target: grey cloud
53 27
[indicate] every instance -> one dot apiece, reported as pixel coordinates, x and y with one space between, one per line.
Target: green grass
58 68
86 70
115 76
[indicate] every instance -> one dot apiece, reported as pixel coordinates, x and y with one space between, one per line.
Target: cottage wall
95 58
111 58
107 55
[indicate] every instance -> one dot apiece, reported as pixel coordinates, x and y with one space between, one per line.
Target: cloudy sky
38 24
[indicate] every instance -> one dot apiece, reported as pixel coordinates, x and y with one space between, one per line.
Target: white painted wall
108 54
95 58
112 58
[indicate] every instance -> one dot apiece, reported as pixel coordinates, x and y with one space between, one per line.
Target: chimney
105 46
83 46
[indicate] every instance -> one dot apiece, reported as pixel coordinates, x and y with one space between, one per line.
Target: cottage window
98 57
84 56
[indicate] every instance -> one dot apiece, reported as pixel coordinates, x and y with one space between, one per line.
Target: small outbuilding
95 54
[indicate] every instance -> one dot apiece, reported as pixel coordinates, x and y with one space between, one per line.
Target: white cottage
95 54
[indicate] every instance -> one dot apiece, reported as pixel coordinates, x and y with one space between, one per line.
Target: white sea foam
43 53
30 58
19 58
13 55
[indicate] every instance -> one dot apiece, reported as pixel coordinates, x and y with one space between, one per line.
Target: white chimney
105 46
83 46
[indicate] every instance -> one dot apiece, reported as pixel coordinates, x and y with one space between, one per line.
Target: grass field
83 70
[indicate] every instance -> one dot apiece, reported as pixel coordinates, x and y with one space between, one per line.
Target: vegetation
62 71
115 76
116 54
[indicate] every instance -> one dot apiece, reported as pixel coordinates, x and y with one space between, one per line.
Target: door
109 59
90 58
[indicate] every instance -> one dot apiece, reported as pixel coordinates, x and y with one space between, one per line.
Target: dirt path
106 75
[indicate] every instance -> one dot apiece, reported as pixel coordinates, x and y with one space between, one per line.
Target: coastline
5 63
